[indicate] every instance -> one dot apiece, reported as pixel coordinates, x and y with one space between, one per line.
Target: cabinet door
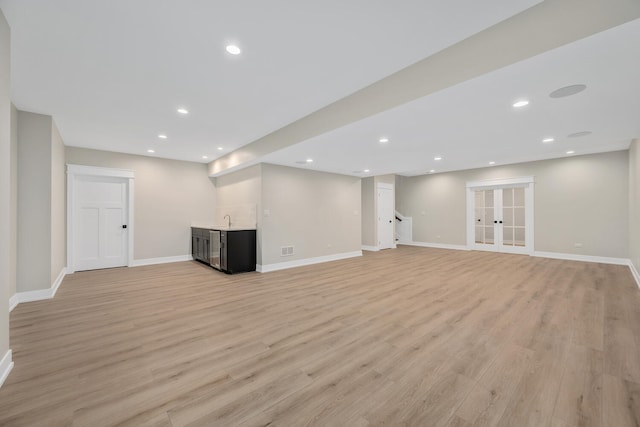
199 248
194 245
205 246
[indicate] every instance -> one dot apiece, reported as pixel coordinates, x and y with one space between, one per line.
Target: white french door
500 216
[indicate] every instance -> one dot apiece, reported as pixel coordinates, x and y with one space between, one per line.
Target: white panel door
101 220
386 216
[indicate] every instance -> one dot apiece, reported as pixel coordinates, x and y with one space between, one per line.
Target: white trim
74 171
634 272
162 260
385 185
13 302
496 183
583 258
370 248
98 171
40 294
307 261
6 365
436 245
56 284
30 296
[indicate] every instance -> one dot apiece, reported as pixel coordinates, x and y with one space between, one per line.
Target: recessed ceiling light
162 136
309 160
521 103
492 163
570 152
220 148
547 140
366 171
205 157
437 158
579 134
151 151
432 171
383 140
183 110
567 91
233 49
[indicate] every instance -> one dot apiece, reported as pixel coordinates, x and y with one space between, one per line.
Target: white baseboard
40 294
634 272
58 281
584 258
307 261
163 260
370 248
436 245
6 365
13 302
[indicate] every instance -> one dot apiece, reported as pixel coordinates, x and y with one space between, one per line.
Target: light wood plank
411 336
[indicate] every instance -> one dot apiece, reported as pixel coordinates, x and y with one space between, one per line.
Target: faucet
229 219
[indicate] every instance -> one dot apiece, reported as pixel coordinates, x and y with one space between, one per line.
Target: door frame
74 172
385 186
528 183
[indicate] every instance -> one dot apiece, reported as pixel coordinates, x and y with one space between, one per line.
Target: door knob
500 222
389 220
495 222
124 226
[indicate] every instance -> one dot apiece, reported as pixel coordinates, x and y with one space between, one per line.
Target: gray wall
243 187
368 209
34 201
168 196
580 199
634 203
316 212
58 205
13 204
5 185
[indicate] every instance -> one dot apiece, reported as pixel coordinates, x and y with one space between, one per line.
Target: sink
233 227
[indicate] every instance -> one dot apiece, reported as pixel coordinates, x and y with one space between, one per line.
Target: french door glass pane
479 234
507 236
488 216
519 236
518 216
518 196
488 235
488 198
507 197
507 216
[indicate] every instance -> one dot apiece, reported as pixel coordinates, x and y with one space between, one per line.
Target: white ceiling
473 123
112 73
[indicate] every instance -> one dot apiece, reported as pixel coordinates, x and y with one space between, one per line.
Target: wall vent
286 251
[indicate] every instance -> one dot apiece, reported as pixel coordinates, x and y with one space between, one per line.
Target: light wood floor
411 336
